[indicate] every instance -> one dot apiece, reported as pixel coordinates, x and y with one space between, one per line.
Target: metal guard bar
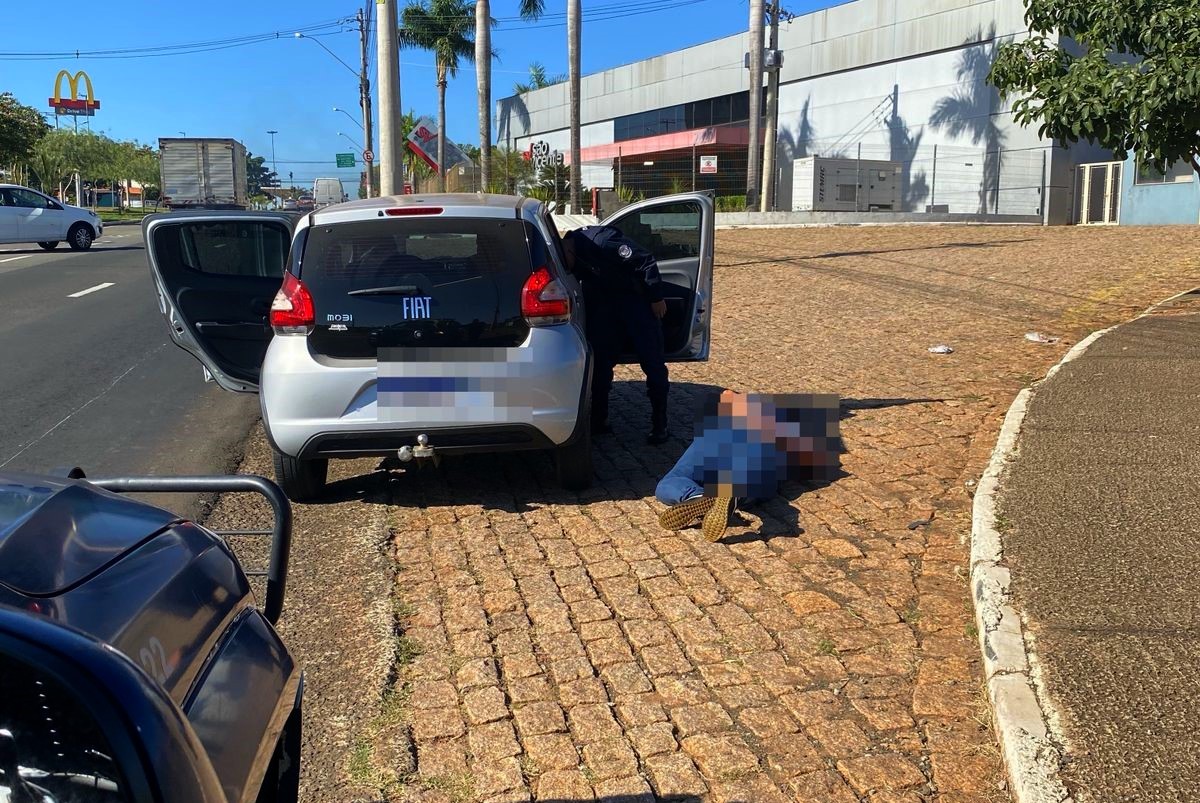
281 531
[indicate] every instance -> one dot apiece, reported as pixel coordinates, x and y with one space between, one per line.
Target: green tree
537 79
445 28
258 175
529 10
21 128
1132 83
50 166
512 172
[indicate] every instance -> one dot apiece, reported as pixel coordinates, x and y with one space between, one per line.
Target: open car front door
678 230
216 274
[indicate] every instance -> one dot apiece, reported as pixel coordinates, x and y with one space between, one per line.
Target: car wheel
301 480
49 246
574 461
80 237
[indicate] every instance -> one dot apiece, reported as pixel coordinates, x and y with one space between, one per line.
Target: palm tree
529 10
537 79
443 27
574 26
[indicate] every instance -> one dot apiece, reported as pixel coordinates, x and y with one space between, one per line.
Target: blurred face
747 413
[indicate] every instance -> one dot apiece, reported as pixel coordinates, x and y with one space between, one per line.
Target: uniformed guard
623 300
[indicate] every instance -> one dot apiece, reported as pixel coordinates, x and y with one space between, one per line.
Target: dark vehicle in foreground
134 663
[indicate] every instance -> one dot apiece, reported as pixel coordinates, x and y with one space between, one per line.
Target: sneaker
658 437
717 518
685 513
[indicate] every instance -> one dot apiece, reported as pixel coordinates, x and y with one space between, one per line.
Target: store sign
542 156
74 105
423 141
708 165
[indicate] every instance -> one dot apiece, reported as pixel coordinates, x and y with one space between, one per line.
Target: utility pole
755 63
390 156
364 93
774 63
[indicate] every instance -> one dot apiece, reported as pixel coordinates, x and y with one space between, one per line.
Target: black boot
658 428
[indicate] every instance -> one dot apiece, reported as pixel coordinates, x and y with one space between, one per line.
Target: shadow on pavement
838 254
626 469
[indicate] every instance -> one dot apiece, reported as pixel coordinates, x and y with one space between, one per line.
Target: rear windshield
417 281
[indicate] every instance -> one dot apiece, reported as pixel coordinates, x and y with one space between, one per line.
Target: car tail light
292 310
544 300
402 211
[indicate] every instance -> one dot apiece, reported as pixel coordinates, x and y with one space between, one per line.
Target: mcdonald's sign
74 105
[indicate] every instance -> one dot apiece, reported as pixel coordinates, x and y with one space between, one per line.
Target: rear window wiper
391 290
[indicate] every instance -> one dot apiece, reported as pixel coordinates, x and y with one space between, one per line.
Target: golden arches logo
74 104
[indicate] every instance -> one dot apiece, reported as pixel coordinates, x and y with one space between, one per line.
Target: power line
316 29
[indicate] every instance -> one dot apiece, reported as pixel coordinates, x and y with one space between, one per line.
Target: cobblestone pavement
562 647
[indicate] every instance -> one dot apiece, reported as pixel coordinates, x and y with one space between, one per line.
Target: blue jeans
678 486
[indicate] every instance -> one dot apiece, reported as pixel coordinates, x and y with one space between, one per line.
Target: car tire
49 245
301 480
80 237
574 461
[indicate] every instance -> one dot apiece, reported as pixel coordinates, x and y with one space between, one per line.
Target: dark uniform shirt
615 263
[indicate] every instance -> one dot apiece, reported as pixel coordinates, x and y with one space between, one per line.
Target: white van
28 216
328 191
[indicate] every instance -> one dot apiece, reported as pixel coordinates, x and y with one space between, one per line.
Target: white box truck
821 184
327 191
200 173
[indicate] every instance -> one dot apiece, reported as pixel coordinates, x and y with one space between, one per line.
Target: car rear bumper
527 397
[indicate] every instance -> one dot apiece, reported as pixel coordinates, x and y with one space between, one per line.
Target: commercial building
888 92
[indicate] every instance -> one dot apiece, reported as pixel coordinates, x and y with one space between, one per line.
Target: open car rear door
678 230
216 274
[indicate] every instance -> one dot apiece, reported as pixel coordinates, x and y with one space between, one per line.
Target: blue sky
292 85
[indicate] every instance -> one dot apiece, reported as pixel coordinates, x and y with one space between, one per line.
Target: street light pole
364 97
352 142
348 114
388 63
274 165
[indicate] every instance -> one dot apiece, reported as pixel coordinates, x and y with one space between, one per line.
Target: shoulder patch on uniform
625 251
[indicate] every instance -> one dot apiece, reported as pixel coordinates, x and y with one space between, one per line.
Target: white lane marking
91 290
14 259
85 405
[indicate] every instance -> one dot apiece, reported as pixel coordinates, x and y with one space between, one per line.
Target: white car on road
28 216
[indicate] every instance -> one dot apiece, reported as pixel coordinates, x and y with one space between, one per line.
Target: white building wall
896 76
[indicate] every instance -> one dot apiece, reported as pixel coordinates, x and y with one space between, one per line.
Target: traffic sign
708 164
368 156
344 159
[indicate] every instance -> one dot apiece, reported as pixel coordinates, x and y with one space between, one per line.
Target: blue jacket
614 263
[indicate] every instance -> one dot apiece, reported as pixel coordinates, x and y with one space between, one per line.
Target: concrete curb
1024 718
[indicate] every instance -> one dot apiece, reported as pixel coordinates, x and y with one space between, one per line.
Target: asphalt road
93 379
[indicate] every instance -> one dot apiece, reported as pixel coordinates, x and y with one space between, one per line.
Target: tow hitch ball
421 450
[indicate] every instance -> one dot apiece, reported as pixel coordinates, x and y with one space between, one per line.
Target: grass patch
360 767
826 646
407 651
459 787
403 609
1002 523
972 631
911 615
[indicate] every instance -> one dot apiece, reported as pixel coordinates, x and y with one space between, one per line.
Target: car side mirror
80 721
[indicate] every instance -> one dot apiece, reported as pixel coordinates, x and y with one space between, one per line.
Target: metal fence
835 176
